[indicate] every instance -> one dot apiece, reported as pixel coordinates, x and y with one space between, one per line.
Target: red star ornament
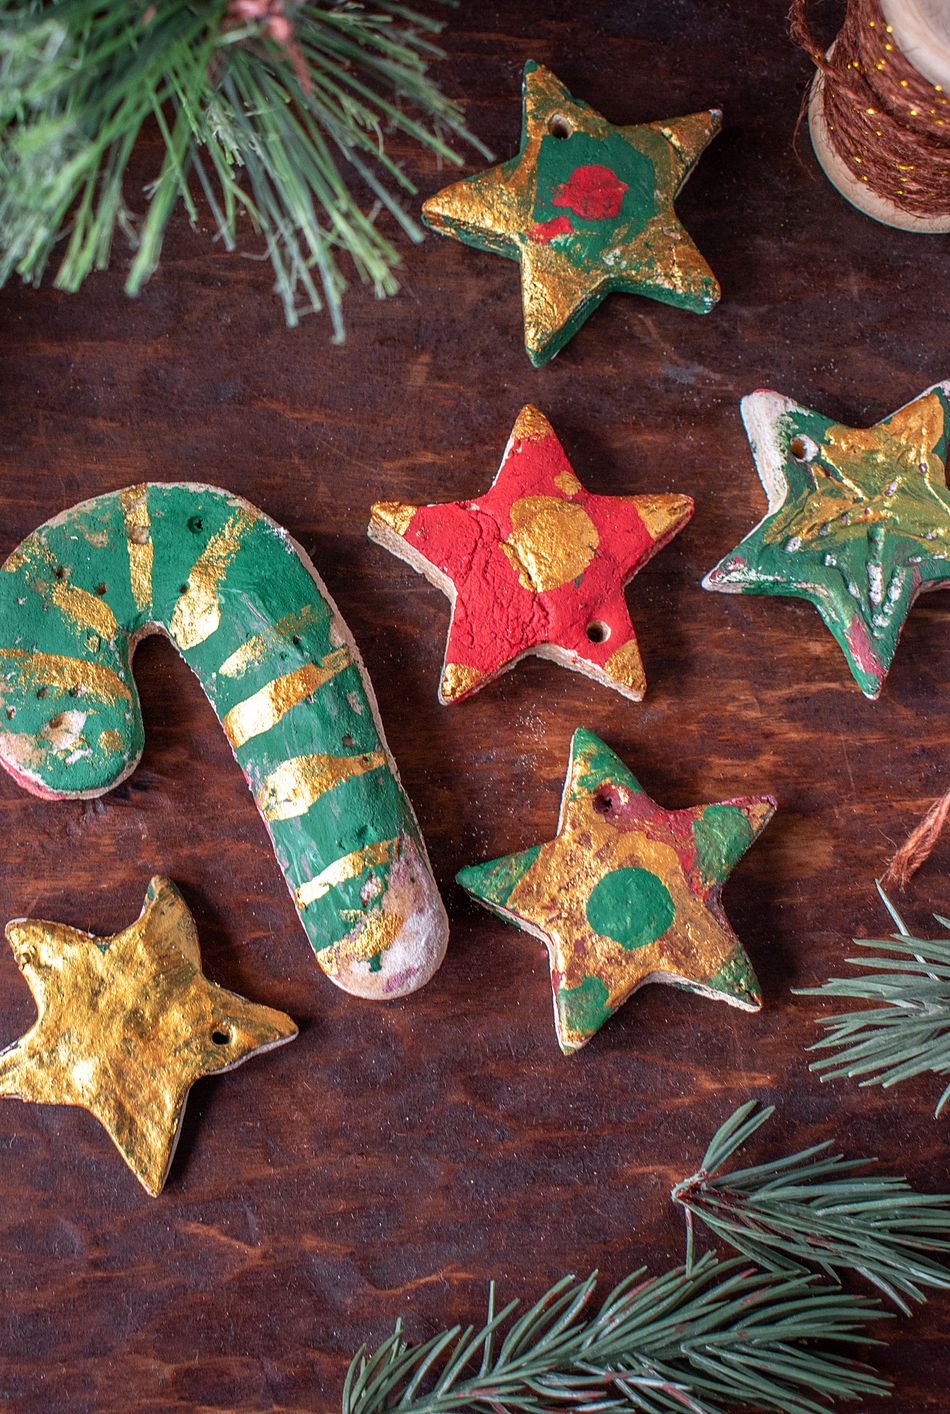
536 565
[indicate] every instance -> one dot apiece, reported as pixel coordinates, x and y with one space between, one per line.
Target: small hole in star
221 1036
597 631
605 802
803 449
559 126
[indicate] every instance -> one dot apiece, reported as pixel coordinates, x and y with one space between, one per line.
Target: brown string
917 846
885 120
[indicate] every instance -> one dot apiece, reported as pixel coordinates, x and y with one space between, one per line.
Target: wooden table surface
397 1156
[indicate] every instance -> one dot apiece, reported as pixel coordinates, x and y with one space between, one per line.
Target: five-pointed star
626 893
127 1024
536 565
585 208
858 520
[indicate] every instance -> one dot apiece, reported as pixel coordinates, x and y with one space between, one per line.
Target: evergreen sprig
272 111
907 1032
814 1210
702 1339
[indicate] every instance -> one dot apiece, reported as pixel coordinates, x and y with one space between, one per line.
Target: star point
858 520
537 564
126 1024
626 893
585 208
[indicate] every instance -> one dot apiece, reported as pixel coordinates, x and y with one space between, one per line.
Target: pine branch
285 124
907 1032
812 1209
703 1340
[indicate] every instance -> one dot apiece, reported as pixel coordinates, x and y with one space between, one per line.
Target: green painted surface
630 906
583 1009
597 765
722 836
736 978
496 881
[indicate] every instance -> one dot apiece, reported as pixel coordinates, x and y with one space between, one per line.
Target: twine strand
889 124
918 845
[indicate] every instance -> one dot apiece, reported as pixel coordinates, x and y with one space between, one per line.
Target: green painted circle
633 907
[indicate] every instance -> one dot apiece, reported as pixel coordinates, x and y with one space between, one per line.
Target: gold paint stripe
57 670
297 783
138 533
253 650
379 932
346 868
85 609
393 515
197 614
264 708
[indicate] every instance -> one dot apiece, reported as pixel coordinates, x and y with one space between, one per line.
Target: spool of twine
879 110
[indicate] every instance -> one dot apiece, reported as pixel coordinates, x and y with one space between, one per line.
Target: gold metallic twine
887 123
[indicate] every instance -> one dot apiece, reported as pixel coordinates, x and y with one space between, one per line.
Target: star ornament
585 208
858 520
535 565
127 1024
626 893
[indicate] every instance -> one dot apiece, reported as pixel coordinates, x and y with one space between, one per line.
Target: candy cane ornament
251 617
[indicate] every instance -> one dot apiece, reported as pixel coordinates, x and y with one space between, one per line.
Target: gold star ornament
585 208
127 1024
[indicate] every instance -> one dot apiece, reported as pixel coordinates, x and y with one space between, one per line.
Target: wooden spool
921 30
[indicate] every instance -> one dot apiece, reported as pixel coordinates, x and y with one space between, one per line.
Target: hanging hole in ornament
221 1036
559 126
348 740
803 449
598 631
101 590
605 802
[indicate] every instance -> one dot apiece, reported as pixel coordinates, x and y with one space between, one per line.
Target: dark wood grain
396 1157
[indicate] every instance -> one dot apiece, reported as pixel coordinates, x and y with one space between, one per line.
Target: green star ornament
626 893
858 520
585 208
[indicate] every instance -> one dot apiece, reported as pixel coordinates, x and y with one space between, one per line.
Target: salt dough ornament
536 565
858 520
250 616
127 1024
585 208
626 893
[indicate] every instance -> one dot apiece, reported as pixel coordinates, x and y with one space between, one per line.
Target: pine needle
291 136
704 1340
814 1210
906 1031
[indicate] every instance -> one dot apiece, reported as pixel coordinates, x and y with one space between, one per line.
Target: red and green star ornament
535 565
585 208
858 520
626 893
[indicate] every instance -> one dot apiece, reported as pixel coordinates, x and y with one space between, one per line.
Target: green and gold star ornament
858 520
127 1024
585 208
626 893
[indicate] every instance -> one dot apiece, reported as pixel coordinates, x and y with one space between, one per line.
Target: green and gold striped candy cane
252 619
